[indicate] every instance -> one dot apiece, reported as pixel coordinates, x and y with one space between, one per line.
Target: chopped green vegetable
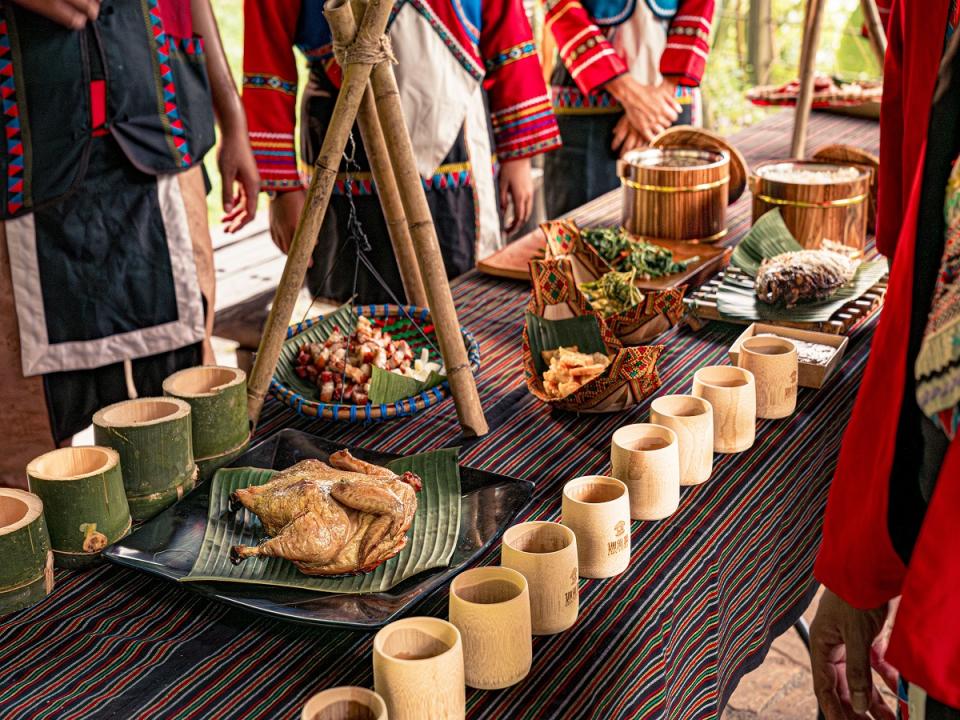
625 253
612 293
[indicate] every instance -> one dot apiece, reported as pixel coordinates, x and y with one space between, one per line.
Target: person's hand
516 183
650 108
285 209
625 137
841 642
240 179
73 14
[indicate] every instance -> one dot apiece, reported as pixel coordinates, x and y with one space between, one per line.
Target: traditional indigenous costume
891 526
105 254
449 53
597 41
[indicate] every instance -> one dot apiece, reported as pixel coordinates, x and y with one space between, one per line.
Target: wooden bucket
834 211
675 193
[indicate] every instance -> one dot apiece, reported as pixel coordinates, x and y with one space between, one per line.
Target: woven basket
399 322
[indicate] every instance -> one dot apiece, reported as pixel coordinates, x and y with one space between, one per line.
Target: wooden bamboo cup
84 502
154 439
545 553
26 568
597 509
345 703
646 458
732 392
218 413
418 669
490 606
775 367
691 418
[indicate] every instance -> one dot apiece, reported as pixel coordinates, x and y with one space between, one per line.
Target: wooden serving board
702 307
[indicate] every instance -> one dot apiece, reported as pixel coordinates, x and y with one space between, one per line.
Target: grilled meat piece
336 520
803 276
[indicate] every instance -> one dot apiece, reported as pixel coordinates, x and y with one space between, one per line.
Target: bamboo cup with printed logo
345 703
418 669
646 458
490 606
597 509
691 418
732 392
545 553
774 364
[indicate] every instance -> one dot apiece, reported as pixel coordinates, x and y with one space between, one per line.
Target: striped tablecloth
705 594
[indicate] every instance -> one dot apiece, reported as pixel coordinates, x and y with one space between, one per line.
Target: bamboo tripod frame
369 95
808 56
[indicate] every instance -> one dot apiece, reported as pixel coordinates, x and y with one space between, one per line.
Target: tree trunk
760 41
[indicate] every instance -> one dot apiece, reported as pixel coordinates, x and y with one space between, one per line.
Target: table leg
808 66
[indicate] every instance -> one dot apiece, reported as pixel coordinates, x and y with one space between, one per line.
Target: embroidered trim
685 31
11 120
462 56
447 177
270 82
517 52
171 113
570 100
192 45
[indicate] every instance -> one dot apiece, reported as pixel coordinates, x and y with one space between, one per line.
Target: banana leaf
431 539
769 236
385 386
582 332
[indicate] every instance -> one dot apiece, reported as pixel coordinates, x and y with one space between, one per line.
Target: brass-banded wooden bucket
675 193
815 212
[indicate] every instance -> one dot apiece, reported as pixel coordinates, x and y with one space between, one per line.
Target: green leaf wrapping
582 332
431 539
768 237
388 387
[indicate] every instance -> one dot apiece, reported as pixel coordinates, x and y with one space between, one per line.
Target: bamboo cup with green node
418 669
83 501
732 392
545 553
691 418
775 367
597 509
26 570
345 703
646 458
490 606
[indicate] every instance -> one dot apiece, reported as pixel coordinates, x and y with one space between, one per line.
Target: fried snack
803 276
570 370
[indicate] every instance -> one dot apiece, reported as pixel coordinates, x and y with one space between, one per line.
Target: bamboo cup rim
627 437
475 579
612 488
439 631
141 412
203 381
681 406
18 508
519 536
773 346
73 463
332 698
724 377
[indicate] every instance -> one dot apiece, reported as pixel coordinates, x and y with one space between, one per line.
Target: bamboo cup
418 669
732 392
545 553
597 509
490 606
345 703
646 458
691 418
773 362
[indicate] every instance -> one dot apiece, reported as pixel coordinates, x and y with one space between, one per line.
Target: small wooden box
811 375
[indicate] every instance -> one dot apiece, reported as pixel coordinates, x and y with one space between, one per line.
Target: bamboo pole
355 76
463 385
345 31
875 32
808 66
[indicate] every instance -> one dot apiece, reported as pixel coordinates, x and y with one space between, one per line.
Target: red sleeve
584 49
688 42
520 108
270 89
893 186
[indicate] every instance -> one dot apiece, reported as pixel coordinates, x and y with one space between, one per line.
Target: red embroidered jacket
592 60
491 39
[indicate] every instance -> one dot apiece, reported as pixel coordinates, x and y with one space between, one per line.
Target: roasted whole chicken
347 517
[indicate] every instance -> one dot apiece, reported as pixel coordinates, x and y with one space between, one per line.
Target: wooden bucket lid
851 155
694 137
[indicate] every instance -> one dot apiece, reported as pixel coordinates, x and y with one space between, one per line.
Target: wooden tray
511 262
702 307
810 375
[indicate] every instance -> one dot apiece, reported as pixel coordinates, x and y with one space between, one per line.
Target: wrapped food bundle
803 276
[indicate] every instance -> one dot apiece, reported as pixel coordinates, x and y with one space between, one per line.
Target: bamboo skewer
875 32
808 62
